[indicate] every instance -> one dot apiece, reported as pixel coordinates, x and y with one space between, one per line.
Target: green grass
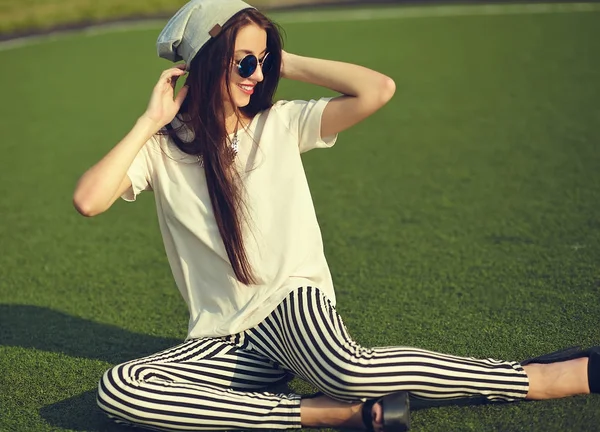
18 16
464 217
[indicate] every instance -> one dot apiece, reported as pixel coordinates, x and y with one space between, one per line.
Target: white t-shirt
282 236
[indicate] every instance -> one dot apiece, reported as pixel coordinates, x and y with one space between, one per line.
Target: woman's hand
163 105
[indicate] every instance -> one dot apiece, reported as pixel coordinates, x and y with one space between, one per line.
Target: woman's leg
306 335
547 381
202 384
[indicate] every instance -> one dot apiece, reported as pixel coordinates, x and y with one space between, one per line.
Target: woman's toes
377 413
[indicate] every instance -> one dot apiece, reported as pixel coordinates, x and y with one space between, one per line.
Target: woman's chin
242 102
241 99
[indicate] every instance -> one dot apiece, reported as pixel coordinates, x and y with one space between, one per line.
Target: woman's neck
233 123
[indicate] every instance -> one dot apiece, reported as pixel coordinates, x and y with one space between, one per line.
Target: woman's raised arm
101 185
364 90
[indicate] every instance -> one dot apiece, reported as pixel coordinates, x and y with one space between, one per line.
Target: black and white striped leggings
219 383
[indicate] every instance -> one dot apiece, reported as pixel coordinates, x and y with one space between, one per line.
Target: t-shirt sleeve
140 171
303 119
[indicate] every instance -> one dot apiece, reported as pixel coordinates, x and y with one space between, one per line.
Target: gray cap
193 25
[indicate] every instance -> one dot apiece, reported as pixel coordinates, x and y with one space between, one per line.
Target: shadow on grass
80 413
48 330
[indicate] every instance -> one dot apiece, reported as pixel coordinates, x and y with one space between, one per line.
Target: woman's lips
248 89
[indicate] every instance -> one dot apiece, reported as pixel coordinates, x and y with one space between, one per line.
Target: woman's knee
113 390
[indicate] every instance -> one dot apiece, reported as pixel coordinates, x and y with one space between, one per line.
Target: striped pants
219 383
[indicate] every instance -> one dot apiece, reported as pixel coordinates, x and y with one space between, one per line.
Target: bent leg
205 384
306 335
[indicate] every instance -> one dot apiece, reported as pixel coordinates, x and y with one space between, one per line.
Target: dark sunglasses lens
267 63
247 66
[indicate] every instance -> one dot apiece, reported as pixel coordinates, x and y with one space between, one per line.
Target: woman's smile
247 88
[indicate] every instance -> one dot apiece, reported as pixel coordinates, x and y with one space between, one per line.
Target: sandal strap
594 370
396 412
367 414
556 356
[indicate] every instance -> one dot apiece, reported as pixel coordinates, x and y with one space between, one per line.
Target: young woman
244 246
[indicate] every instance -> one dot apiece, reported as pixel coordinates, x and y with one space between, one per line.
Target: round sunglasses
247 66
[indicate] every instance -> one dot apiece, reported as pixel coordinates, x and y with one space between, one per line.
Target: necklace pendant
235 145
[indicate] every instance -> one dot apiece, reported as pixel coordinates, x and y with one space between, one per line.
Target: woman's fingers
181 96
172 74
163 106
175 69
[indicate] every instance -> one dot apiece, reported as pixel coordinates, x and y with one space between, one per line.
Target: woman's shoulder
294 105
288 103
298 110
287 109
280 112
161 148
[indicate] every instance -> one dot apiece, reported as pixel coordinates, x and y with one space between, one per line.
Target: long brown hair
203 112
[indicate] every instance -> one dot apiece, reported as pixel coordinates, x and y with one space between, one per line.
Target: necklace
234 148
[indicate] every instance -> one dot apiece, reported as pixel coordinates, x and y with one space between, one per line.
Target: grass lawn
39 15
464 217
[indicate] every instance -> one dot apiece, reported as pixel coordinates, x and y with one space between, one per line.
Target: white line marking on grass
401 12
341 15
94 30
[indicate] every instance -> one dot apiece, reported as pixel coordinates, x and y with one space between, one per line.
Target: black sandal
396 412
572 353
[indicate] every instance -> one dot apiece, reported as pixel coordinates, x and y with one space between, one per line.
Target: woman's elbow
84 206
387 89
379 93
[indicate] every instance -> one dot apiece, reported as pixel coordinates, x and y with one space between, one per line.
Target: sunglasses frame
260 63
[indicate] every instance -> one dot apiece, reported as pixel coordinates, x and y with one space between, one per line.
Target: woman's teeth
246 88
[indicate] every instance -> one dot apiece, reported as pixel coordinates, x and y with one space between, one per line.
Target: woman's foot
322 411
377 419
557 380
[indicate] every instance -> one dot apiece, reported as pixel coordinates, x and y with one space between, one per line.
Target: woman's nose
258 75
